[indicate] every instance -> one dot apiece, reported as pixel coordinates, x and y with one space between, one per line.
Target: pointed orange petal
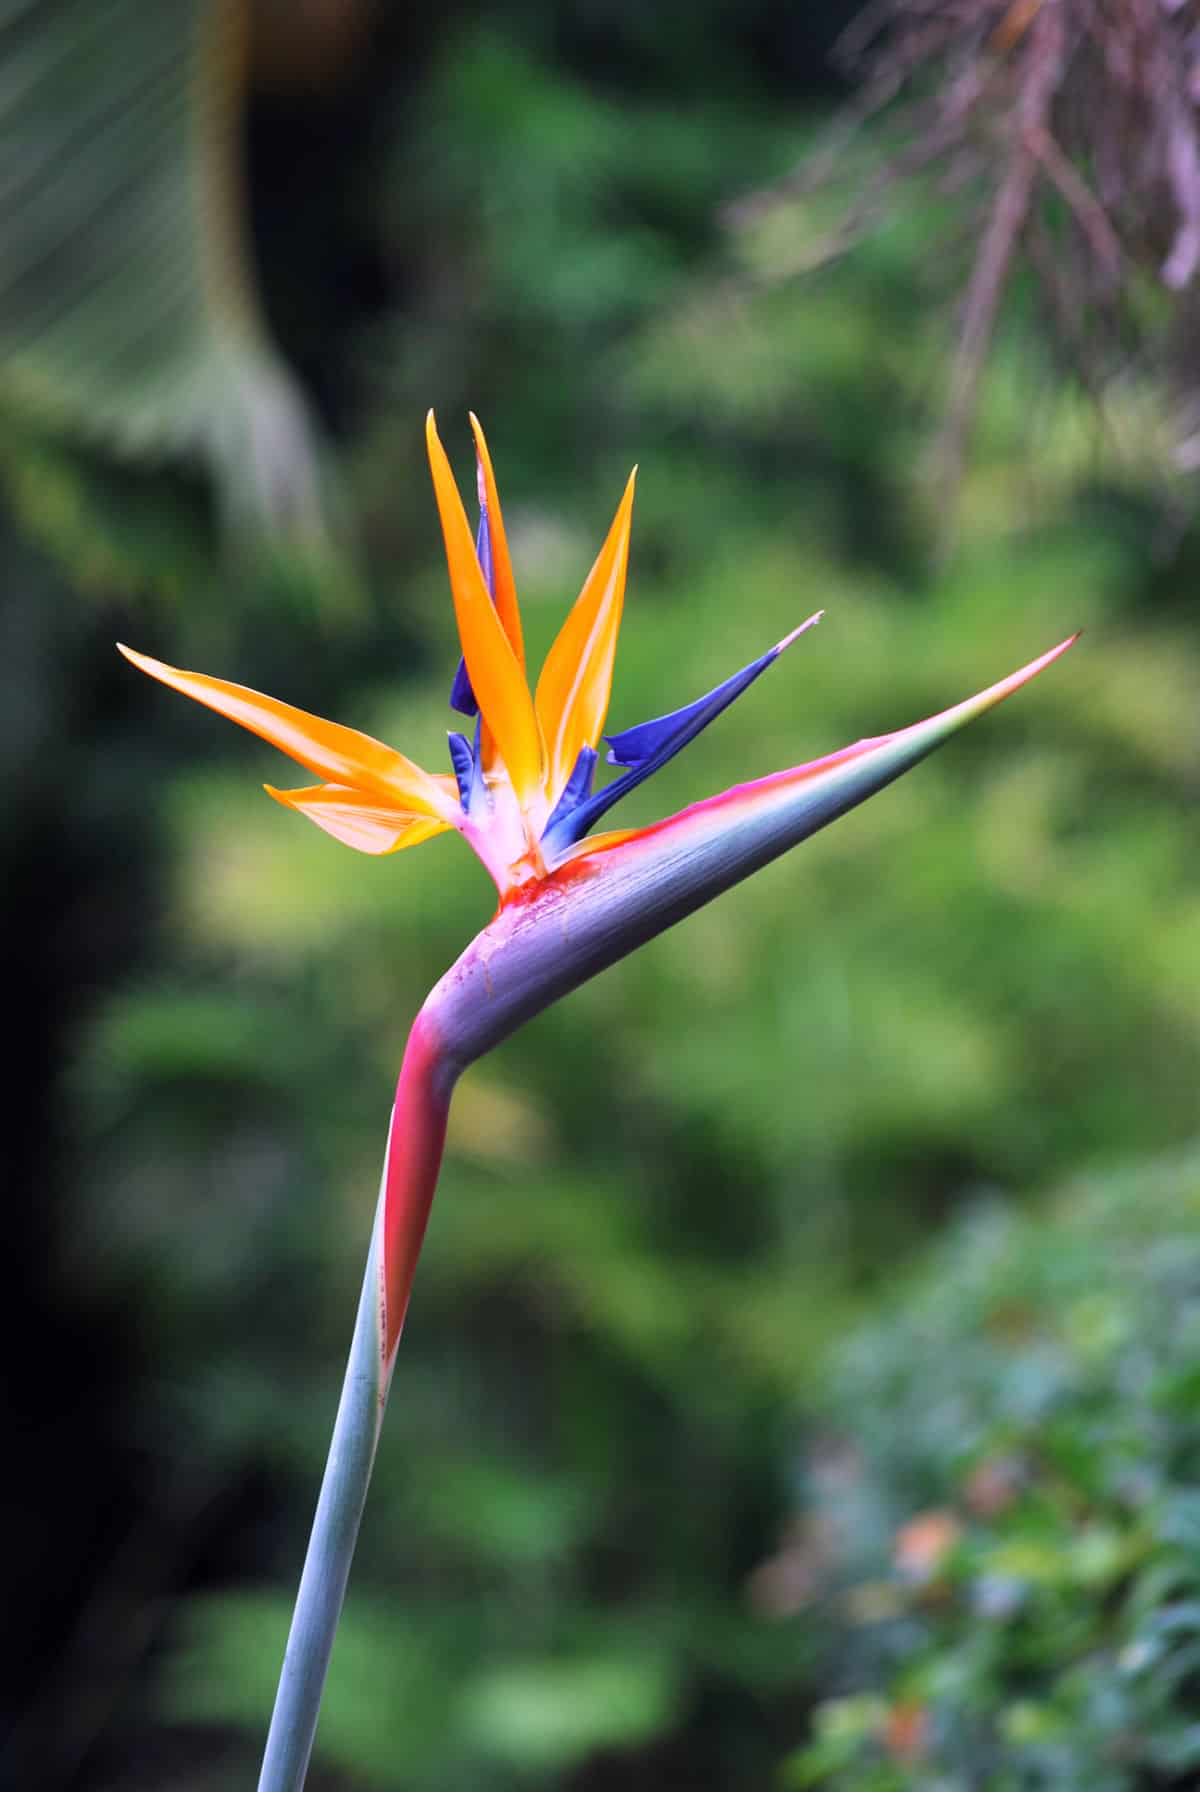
573 690
359 819
497 678
342 755
507 607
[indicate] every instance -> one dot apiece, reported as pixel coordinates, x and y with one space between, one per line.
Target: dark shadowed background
801 1382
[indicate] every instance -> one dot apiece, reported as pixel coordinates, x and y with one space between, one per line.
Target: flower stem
331 1545
410 1173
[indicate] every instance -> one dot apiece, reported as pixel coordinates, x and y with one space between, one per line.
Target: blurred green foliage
666 1200
1001 1548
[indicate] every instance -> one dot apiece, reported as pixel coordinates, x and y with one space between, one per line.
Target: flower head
521 790
521 787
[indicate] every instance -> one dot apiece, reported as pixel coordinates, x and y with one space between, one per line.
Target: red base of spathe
416 1139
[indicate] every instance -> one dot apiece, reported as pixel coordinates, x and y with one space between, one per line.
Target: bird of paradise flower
522 794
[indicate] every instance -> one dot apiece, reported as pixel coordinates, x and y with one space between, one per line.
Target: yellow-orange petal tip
143 662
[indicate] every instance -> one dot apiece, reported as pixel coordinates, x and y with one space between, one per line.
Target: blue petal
576 790
667 734
462 698
463 761
647 747
468 768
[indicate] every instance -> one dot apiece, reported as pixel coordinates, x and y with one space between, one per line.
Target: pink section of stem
415 1142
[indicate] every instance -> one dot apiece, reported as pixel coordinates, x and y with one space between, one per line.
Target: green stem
410 1172
331 1545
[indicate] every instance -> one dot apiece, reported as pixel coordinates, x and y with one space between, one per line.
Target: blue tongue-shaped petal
465 759
576 790
462 698
462 759
648 746
667 734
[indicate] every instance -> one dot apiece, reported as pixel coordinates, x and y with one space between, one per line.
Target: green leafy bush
1005 1531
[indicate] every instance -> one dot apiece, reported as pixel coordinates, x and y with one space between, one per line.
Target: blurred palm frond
129 318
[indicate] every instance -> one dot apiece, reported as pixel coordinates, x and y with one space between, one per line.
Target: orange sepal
497 677
507 608
341 755
358 819
573 690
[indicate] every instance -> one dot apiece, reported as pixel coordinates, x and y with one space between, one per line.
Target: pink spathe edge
756 795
